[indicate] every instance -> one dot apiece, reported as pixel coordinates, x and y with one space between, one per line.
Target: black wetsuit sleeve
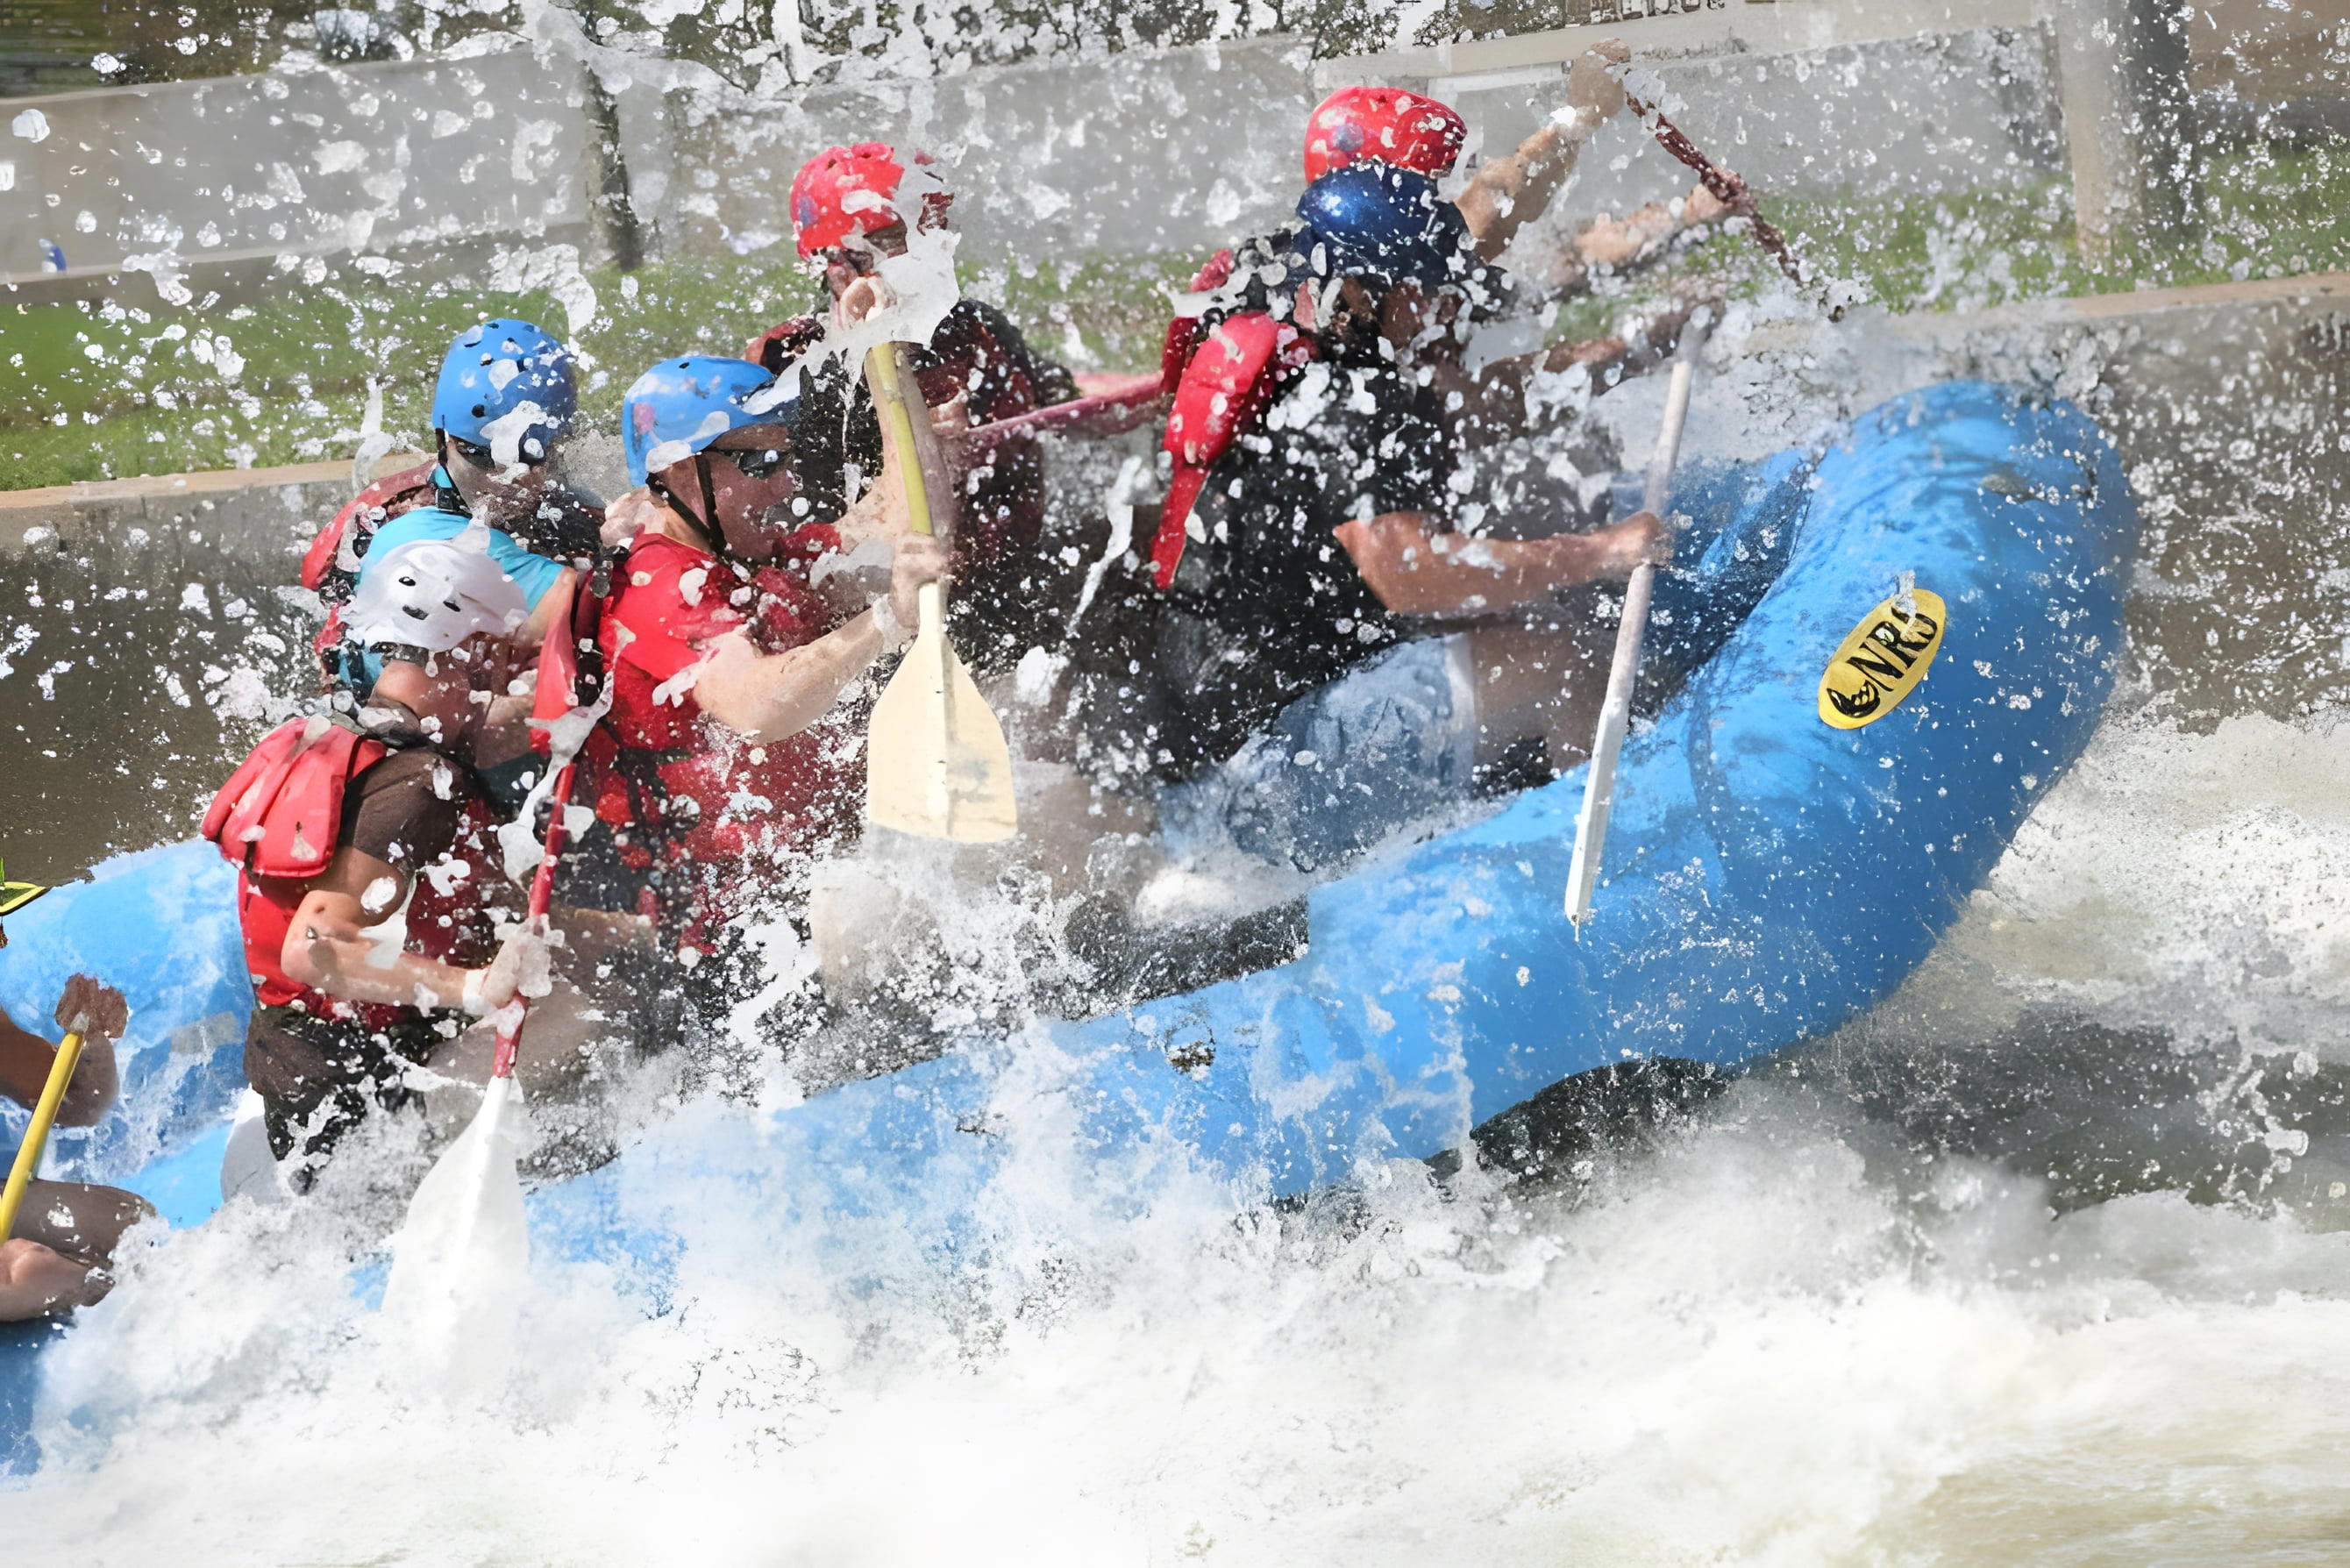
1409 456
1049 380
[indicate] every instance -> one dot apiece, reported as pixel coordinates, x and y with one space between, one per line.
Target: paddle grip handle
542 898
37 1131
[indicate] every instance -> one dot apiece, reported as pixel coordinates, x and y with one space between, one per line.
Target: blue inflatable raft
159 926
1897 649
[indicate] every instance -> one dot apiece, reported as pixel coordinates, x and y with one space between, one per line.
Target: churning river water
2046 1261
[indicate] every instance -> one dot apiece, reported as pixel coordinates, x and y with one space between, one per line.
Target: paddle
461 1259
936 764
1731 192
1113 409
1616 711
37 1132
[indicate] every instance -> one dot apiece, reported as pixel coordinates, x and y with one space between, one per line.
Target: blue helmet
680 405
506 386
1375 220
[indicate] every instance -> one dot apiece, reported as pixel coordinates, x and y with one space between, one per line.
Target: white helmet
432 594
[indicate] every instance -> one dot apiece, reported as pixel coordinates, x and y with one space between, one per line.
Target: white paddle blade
461 1262
936 764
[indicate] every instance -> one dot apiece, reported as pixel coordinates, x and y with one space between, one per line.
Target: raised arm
1491 404
1628 242
1510 192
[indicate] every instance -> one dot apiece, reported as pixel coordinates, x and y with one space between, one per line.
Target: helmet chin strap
706 523
447 497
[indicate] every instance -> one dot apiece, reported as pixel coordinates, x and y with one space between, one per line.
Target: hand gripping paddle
37 1132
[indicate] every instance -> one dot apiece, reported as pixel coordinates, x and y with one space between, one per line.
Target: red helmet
824 205
1386 124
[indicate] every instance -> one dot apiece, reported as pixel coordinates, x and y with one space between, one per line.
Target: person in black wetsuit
1298 679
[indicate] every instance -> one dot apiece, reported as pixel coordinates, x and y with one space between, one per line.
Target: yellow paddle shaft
36 1133
890 397
887 375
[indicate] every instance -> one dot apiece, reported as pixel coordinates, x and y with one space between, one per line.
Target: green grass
92 393
102 392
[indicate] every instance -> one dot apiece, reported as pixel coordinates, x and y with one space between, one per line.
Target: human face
751 477
499 494
452 692
862 255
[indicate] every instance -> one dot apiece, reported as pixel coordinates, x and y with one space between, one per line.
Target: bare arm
1491 405
766 697
26 1058
1415 572
1620 242
328 945
1510 193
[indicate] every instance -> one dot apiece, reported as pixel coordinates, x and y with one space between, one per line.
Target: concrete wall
1136 152
1186 149
2260 50
308 159
264 515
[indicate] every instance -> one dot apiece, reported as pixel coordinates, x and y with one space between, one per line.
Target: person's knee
81 1220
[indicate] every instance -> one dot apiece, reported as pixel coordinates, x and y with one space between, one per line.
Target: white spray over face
919 287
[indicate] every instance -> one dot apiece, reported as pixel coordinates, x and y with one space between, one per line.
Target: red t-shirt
741 813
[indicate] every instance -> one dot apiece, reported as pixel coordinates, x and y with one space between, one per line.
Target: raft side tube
1768 877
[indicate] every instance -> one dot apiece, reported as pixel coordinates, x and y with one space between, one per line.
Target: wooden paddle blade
936 765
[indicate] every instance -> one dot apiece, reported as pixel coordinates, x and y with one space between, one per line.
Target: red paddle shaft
1727 188
542 894
1118 408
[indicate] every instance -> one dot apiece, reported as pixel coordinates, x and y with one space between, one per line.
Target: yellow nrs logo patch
1882 660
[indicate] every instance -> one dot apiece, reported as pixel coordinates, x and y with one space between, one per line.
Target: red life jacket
681 791
1184 332
1231 375
278 818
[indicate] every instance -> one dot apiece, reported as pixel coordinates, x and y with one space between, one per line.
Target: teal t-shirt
533 575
